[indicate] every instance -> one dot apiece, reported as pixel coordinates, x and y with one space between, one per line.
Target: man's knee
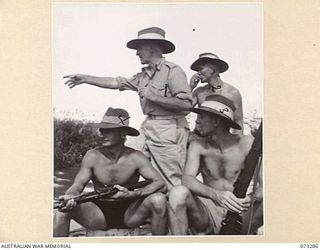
61 216
158 202
178 196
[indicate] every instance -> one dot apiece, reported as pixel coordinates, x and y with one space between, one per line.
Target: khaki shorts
216 215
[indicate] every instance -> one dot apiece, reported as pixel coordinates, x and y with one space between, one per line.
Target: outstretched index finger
68 76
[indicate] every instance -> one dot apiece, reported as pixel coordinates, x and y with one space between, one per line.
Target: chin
106 144
203 80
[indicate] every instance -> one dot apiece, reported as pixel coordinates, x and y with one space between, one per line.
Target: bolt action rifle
232 224
95 195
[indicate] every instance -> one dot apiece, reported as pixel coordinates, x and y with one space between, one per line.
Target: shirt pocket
162 89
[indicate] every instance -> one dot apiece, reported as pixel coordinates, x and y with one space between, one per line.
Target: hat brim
223 66
231 123
167 46
131 131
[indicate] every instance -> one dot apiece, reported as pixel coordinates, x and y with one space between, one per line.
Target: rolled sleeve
125 83
178 84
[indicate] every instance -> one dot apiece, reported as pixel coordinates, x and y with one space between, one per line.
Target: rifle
95 195
231 225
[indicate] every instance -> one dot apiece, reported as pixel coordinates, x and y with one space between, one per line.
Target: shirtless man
118 165
201 206
209 66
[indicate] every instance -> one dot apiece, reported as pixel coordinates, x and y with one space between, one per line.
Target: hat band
220 107
118 120
150 36
209 56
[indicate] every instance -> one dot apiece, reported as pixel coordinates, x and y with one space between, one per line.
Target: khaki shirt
168 80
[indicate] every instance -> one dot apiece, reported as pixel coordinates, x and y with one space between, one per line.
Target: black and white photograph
157 119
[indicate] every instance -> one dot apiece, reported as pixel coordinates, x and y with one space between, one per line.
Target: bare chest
202 95
222 164
109 172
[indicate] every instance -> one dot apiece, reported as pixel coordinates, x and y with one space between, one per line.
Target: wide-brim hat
115 118
220 106
152 35
209 58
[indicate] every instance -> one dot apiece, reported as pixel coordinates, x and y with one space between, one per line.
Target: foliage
72 139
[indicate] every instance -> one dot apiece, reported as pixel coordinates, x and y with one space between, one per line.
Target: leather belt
164 117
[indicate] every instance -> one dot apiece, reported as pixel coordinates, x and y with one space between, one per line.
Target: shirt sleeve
178 84
125 83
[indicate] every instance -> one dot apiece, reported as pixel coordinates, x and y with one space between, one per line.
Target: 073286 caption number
315 245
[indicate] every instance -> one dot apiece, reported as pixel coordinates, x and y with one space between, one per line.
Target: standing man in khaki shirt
165 98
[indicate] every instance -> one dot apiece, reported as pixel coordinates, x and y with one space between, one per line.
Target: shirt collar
158 66
160 63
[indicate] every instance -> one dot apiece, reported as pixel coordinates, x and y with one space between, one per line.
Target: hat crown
221 99
208 55
209 58
116 116
154 30
221 104
152 35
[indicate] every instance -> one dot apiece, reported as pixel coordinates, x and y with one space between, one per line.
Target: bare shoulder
135 156
197 146
91 155
199 90
232 89
246 142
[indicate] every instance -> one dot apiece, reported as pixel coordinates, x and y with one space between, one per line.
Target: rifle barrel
85 197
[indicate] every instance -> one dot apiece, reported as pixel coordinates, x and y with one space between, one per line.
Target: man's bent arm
172 103
223 198
83 176
148 173
181 94
192 166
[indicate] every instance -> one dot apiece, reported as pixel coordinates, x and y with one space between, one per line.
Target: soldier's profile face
205 72
110 136
204 124
144 52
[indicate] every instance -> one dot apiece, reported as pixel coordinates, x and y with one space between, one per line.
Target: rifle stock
86 197
232 224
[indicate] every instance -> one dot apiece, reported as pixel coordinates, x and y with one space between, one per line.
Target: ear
123 133
216 121
215 69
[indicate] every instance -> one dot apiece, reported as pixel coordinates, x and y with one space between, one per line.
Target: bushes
71 141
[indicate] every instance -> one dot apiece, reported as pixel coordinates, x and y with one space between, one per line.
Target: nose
138 53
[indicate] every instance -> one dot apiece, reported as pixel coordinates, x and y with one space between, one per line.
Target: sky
91 38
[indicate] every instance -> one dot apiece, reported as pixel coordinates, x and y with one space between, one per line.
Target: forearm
172 103
75 189
155 186
198 188
102 82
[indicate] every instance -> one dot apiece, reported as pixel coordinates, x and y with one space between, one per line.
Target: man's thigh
89 215
140 210
198 215
137 213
